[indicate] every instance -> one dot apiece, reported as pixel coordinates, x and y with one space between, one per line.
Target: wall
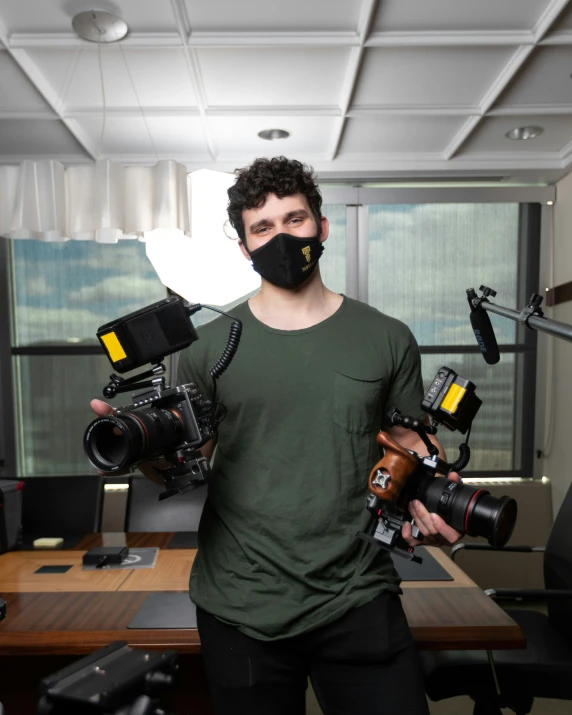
555 355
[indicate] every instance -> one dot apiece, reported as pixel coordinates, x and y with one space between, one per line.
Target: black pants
363 664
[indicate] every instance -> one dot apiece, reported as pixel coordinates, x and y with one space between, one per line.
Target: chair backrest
62 506
558 566
145 512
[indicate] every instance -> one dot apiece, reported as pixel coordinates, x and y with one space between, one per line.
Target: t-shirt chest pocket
357 400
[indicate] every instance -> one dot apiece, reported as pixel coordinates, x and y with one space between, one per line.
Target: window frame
8 466
530 218
10 448
356 199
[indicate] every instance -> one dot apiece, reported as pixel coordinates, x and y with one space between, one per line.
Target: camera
403 475
162 422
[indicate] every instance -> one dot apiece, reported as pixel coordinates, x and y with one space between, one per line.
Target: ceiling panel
273 15
56 15
545 79
564 22
266 77
440 15
16 91
124 136
37 137
490 135
409 103
238 136
160 76
428 76
398 134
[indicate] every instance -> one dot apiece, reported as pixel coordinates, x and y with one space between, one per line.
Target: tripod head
116 680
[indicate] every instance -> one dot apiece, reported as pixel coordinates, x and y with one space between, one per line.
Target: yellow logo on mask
306 252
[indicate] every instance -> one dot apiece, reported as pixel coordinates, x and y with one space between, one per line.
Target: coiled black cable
463 459
464 454
229 351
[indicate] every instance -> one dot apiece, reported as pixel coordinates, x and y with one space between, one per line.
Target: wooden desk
53 619
81 611
17 573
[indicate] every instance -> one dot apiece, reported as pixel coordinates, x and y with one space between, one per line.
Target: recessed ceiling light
524 133
271 134
99 26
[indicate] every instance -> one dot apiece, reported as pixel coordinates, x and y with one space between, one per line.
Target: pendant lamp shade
39 209
107 202
102 202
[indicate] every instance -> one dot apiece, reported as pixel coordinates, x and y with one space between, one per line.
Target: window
61 294
423 257
421 260
412 260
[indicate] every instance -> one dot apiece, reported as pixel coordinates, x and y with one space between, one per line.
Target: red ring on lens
469 509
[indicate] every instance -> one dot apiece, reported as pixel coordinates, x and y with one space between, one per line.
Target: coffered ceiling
366 88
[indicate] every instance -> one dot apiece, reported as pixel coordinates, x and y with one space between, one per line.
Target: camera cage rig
128 343
450 401
390 519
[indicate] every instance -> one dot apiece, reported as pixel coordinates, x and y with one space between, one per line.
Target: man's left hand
432 526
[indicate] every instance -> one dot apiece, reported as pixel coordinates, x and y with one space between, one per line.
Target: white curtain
101 202
106 202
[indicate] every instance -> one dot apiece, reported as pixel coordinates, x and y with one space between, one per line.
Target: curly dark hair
278 175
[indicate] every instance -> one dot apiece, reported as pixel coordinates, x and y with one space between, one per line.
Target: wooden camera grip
391 473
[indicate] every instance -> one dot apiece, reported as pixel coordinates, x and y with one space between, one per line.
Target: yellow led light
113 347
452 398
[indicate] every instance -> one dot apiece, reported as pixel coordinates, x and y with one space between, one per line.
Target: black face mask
287 261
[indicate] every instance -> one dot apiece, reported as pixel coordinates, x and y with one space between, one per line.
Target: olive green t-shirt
278 553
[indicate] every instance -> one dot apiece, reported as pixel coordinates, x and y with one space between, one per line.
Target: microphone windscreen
485 336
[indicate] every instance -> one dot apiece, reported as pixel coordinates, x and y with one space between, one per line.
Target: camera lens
470 510
498 513
113 443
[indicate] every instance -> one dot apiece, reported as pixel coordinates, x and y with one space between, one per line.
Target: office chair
544 668
62 506
145 512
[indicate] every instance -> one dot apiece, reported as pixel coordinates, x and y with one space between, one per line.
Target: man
284 589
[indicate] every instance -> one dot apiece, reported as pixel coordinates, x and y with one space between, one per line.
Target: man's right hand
149 468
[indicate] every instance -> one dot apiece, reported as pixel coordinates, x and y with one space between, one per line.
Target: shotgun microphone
483 329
